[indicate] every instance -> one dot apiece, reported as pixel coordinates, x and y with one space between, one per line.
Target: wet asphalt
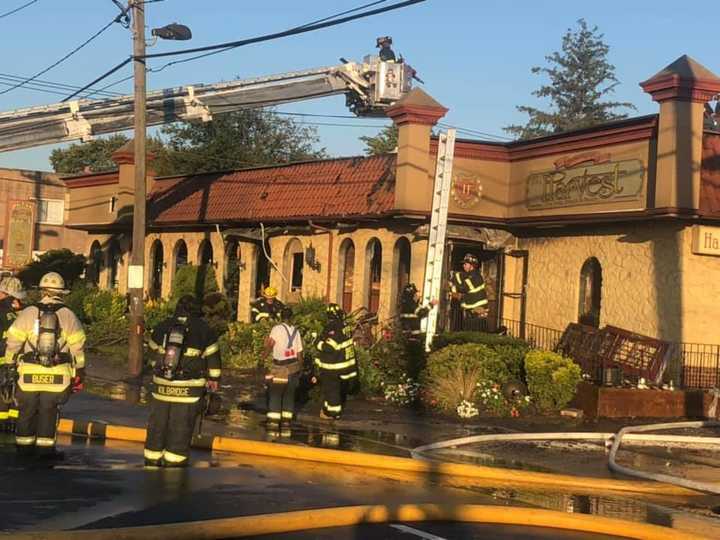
104 484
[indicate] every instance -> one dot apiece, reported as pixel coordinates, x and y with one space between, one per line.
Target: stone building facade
616 224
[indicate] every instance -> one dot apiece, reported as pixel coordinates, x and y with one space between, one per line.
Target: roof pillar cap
416 107
683 80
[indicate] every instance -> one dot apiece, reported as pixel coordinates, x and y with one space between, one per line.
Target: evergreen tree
580 78
93 156
383 143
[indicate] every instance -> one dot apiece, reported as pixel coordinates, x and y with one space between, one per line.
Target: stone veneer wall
651 281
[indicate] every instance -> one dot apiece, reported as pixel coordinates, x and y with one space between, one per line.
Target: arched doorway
293 266
231 273
158 263
114 258
346 272
95 263
180 256
401 265
205 253
373 256
590 293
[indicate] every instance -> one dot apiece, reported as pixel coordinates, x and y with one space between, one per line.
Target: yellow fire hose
376 461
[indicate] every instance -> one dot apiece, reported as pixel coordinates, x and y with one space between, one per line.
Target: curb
377 461
302 520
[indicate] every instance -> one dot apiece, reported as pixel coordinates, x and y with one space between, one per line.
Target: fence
690 365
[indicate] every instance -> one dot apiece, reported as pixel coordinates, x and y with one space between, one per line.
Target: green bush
452 373
510 349
156 311
75 299
107 323
370 374
552 379
195 280
243 344
63 261
217 312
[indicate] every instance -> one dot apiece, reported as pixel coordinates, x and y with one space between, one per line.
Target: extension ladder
437 233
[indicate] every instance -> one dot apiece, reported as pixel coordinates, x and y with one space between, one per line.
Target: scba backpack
46 352
174 349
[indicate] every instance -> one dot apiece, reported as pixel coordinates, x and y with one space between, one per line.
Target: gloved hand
77 383
212 386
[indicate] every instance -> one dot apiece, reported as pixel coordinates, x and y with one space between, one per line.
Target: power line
285 33
317 21
8 13
68 55
38 84
258 39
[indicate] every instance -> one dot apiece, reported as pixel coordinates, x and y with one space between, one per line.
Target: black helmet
335 312
410 289
472 259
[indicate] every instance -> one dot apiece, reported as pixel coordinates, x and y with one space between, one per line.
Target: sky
474 56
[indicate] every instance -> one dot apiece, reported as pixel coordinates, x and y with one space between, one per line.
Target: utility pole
136 273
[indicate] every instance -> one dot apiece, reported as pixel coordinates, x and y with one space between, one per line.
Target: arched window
180 256
401 264
158 262
114 257
590 293
95 263
346 271
205 253
293 266
231 272
373 256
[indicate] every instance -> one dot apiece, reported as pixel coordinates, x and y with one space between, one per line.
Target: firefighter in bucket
186 362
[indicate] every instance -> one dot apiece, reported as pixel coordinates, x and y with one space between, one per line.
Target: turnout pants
281 406
8 415
332 391
169 432
37 420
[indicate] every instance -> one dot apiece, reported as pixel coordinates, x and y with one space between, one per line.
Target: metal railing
691 366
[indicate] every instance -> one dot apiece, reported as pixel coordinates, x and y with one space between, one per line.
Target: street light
136 272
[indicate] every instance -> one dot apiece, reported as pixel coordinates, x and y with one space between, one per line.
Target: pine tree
580 78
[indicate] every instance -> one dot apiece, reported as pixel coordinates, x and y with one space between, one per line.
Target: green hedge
552 380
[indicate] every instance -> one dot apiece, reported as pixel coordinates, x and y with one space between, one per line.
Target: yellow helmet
270 292
53 282
12 286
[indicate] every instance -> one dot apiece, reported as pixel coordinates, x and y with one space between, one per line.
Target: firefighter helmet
410 289
53 281
270 292
12 287
472 259
335 312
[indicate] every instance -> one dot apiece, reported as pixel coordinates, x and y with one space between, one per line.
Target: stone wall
651 282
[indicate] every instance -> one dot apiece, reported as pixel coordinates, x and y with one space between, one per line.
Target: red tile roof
360 186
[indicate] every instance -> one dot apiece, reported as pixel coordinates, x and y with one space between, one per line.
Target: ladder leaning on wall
437 234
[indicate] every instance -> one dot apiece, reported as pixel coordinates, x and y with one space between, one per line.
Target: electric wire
65 57
8 13
257 39
58 88
318 21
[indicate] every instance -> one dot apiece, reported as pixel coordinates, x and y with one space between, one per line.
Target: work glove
77 383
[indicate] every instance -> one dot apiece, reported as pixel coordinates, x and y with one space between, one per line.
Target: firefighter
468 286
267 307
412 312
335 362
286 346
11 293
186 362
46 342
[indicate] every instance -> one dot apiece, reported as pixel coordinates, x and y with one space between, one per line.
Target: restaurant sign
706 240
19 234
588 183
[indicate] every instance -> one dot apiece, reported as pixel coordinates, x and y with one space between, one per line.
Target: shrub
491 340
403 392
63 261
552 379
452 374
216 311
106 320
195 280
75 299
156 311
370 376
243 344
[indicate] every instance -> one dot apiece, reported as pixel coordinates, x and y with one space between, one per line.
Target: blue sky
475 56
